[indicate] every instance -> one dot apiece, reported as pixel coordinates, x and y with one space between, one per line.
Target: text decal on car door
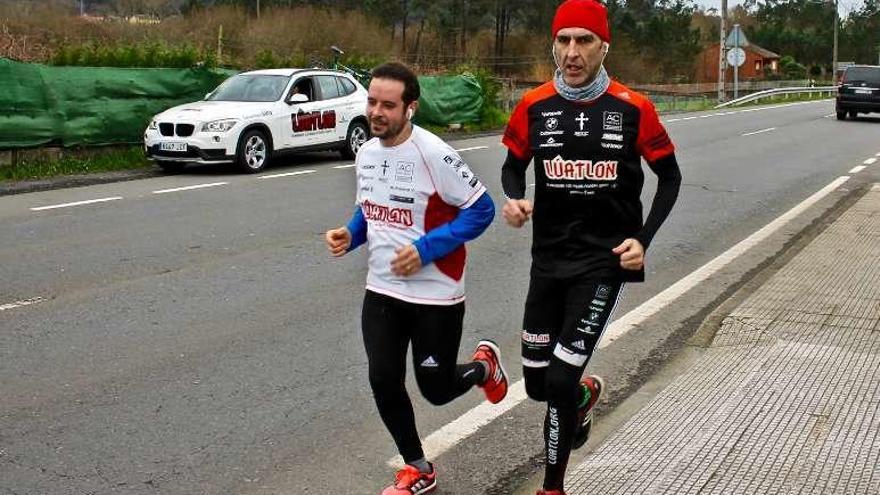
313 121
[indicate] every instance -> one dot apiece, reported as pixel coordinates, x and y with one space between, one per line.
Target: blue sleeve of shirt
358 228
468 225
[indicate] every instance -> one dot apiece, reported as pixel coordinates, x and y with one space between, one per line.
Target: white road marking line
621 326
721 114
870 161
77 203
858 169
18 304
346 166
190 188
468 423
829 116
289 174
759 132
473 149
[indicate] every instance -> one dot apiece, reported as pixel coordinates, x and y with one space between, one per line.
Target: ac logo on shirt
404 171
612 121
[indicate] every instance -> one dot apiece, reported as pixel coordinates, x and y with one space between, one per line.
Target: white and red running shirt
404 192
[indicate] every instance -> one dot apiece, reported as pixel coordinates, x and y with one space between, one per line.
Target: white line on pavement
870 161
190 188
18 304
465 425
759 132
289 174
345 166
722 114
76 203
858 169
473 149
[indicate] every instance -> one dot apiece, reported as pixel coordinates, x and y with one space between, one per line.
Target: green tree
860 35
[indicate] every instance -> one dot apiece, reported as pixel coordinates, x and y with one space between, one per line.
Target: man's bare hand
517 212
407 261
338 241
632 254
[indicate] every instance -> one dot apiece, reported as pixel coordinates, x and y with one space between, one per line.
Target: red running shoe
593 386
495 385
411 481
551 492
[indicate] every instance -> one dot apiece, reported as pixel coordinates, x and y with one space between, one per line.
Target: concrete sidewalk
786 399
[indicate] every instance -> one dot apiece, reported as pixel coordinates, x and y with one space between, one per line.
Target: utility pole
82 8
834 57
721 53
736 63
220 47
258 9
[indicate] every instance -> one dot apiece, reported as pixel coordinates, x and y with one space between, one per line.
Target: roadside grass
89 161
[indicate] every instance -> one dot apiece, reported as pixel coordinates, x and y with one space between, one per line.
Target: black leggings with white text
563 322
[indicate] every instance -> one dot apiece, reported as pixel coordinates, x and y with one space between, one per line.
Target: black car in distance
859 91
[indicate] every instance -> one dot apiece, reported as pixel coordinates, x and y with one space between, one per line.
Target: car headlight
219 125
153 125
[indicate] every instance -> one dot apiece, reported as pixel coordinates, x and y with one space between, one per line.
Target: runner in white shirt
417 204
404 192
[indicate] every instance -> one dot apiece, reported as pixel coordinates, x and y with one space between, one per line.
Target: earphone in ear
553 54
409 113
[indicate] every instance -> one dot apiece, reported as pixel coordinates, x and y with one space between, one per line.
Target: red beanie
587 14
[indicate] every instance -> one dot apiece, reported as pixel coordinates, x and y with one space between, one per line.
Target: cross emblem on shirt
581 120
384 167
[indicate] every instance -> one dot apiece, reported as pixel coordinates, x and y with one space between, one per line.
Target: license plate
180 147
863 91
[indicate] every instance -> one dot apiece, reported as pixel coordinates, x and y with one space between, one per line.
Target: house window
757 66
773 65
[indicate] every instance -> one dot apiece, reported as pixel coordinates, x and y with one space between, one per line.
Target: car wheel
171 167
358 134
253 151
841 115
853 114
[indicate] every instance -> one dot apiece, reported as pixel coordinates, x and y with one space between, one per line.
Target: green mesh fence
72 106
449 99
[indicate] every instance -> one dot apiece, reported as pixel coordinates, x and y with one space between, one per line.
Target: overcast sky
844 6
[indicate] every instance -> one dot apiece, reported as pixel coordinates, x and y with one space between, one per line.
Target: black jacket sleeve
513 176
668 184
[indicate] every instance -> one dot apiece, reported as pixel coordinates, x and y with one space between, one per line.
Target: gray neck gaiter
590 92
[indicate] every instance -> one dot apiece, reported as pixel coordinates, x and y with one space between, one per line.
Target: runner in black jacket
587 135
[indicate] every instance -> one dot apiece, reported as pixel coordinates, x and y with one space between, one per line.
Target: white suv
255 115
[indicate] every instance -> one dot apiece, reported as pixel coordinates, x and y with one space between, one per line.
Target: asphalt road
202 340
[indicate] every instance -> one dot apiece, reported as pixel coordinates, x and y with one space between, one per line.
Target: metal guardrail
769 93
